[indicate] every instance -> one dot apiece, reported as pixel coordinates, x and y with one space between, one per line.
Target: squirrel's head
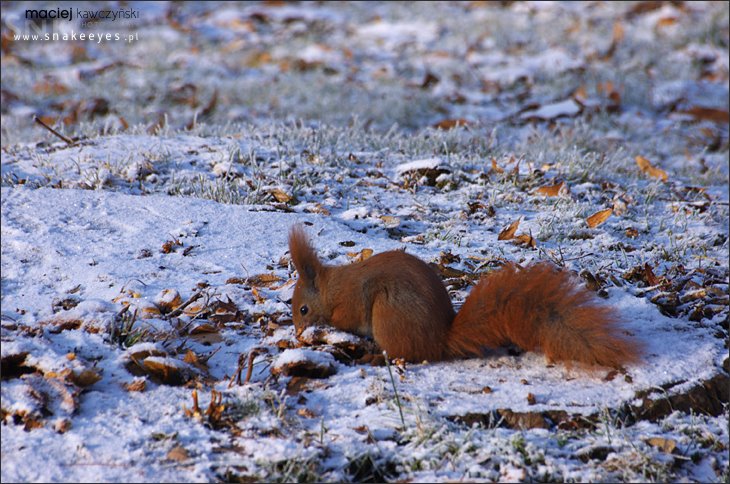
308 307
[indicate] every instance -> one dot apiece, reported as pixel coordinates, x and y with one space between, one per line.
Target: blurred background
408 65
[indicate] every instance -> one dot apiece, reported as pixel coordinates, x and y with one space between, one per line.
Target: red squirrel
401 302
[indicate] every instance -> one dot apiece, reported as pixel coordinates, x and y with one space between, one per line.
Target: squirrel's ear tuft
303 254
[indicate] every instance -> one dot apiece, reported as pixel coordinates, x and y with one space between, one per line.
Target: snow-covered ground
144 263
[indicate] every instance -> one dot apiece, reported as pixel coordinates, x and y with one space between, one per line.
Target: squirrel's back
411 310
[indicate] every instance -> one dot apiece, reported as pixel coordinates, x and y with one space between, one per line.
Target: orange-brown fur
540 308
399 301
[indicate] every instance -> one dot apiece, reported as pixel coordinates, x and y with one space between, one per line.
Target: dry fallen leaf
149 311
222 312
62 425
128 293
194 309
137 385
205 333
62 324
178 453
390 221
640 8
525 239
168 370
264 280
257 59
618 37
618 31
553 190
170 246
210 107
168 300
47 395
50 87
509 232
666 21
204 328
142 352
257 296
721 116
496 168
665 445
192 359
280 195
614 98
364 254
84 378
447 124
619 206
430 79
305 412
317 208
694 295
580 94
651 278
599 217
646 166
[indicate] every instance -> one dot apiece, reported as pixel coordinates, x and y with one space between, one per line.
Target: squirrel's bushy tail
540 308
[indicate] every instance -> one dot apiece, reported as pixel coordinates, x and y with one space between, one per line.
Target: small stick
395 390
643 290
239 368
204 359
187 303
38 120
254 353
196 408
215 400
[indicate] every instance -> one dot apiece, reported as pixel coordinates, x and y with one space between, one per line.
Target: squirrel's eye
304 310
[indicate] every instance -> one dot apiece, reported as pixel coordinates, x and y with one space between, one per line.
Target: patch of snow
554 110
415 165
299 355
